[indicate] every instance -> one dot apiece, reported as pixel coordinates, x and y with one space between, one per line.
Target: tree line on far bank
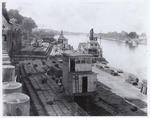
122 35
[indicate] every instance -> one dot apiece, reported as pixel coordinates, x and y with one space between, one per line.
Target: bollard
11 87
16 104
9 73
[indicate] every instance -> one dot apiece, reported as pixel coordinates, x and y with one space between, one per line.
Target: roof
41 48
83 44
76 54
5 22
83 72
62 38
5 14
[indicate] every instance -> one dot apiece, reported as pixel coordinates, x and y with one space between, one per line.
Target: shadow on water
86 103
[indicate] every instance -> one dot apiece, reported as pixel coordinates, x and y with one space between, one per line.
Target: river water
119 55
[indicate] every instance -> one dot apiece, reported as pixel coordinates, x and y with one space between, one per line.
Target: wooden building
78 78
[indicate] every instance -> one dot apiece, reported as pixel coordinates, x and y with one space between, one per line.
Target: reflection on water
129 58
120 55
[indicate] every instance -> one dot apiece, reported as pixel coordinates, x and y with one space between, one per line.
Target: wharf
47 98
113 95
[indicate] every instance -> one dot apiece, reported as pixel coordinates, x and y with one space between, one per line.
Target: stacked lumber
31 67
49 99
39 67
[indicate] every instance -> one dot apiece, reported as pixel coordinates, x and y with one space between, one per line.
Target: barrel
16 104
5 57
11 87
6 63
9 73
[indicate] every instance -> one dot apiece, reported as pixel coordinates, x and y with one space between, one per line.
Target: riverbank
119 86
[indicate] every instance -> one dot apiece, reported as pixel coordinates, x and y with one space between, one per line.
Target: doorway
72 65
84 84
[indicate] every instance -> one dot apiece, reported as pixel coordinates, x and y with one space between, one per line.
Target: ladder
76 84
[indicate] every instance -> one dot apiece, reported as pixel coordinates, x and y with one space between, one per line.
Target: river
119 55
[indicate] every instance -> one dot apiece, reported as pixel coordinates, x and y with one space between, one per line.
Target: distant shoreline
110 39
123 41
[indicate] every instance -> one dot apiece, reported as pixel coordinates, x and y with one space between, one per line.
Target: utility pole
100 53
100 39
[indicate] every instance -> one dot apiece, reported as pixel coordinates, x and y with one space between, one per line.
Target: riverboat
92 47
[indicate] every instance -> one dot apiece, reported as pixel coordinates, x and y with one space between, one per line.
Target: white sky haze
82 16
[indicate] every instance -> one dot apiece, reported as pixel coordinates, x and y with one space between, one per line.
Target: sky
82 16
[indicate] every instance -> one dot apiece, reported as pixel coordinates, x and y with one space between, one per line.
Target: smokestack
61 33
91 34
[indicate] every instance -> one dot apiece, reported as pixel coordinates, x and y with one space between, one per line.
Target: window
88 60
77 60
83 60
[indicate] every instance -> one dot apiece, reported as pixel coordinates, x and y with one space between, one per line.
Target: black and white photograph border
75 58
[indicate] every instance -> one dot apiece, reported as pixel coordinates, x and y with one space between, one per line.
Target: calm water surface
119 55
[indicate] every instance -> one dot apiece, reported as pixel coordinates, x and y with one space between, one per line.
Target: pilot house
78 78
